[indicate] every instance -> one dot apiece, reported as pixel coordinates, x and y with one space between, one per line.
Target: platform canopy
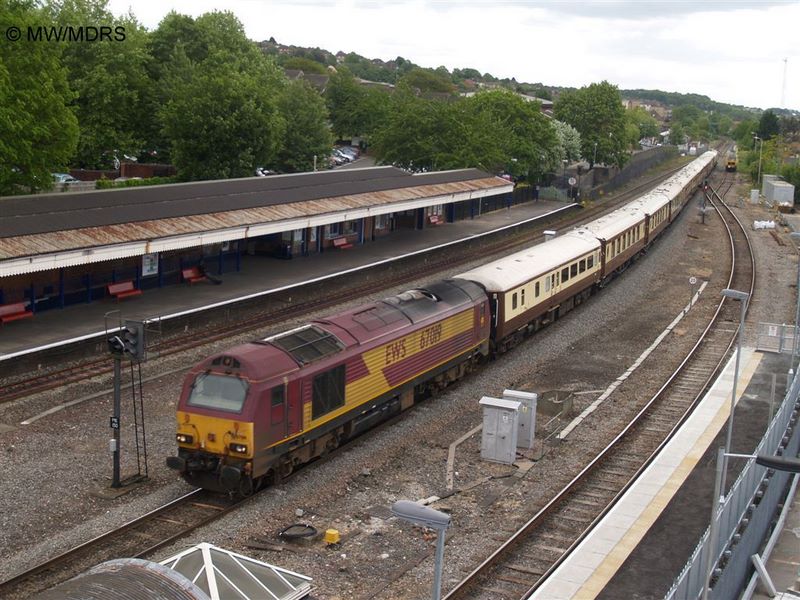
225 575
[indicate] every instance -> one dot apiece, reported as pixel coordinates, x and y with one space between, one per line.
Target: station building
69 248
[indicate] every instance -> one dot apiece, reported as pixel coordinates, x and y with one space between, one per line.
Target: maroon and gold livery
258 410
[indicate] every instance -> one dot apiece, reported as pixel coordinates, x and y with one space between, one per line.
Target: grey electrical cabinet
500 427
527 416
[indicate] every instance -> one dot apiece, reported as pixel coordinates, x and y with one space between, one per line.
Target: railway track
135 539
522 563
281 310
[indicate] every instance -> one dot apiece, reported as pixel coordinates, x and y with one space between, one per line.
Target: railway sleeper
524 569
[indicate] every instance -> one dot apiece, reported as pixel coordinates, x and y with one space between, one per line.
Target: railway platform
642 544
258 275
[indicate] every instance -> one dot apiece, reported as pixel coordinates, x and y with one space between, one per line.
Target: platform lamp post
743 298
594 155
425 516
760 149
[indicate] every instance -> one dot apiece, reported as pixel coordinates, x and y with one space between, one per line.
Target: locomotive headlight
238 448
184 438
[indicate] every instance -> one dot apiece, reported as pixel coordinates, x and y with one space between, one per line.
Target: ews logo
395 351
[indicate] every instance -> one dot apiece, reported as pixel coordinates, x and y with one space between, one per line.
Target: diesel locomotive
252 414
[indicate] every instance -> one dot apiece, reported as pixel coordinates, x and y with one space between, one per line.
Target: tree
38 130
307 134
111 83
423 134
768 125
596 112
569 144
427 81
223 121
528 139
304 64
646 125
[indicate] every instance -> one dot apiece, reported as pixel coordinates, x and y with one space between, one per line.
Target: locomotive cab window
328 392
276 405
219 392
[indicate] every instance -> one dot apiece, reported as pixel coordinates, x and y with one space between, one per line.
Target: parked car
63 178
262 172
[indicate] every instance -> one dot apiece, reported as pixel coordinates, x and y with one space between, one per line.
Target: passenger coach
530 288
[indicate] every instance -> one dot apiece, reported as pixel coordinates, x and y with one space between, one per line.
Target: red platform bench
436 220
193 275
123 289
342 243
13 312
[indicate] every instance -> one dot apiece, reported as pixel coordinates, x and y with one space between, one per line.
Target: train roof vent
307 344
378 316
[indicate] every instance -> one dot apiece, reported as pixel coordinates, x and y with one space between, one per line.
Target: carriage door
294 407
277 413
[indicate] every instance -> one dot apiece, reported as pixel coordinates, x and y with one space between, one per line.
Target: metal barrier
746 515
772 337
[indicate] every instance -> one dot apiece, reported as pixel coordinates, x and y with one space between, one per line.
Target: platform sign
150 264
113 422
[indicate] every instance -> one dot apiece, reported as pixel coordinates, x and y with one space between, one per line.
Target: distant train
731 160
252 414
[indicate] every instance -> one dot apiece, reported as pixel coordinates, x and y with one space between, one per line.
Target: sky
734 51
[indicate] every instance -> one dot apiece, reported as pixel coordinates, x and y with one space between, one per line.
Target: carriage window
547 284
536 289
573 270
277 405
522 297
219 392
582 265
554 280
328 392
590 262
565 274
514 301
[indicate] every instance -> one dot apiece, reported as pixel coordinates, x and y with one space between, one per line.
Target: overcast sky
732 51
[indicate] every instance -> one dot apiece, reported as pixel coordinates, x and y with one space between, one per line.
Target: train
731 159
252 414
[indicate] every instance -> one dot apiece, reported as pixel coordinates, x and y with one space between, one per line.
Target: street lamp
779 463
760 148
742 297
427 517
594 155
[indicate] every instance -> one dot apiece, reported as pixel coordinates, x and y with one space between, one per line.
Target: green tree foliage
38 130
306 65
110 80
527 138
768 126
307 133
744 131
427 81
354 110
423 134
596 112
645 123
222 116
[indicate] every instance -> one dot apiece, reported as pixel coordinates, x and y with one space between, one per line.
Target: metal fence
746 516
772 337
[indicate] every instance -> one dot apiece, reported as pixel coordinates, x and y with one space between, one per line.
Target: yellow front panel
214 434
